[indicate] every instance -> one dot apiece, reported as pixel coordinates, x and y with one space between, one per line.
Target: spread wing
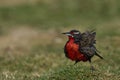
87 38
87 46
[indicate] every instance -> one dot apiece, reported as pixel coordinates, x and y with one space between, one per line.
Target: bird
81 46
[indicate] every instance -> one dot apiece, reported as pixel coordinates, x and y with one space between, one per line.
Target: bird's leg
76 62
91 66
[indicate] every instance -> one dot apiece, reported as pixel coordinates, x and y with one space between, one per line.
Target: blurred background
31 43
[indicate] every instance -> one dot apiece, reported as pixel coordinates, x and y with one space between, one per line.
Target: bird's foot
92 68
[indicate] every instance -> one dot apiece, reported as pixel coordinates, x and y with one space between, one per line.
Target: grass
61 13
31 43
38 61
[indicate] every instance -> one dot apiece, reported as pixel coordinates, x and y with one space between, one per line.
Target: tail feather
99 56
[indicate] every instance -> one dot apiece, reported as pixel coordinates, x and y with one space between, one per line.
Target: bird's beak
67 33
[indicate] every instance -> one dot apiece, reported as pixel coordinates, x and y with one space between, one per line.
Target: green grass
60 13
47 62
31 43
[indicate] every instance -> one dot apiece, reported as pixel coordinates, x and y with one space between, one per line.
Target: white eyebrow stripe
76 32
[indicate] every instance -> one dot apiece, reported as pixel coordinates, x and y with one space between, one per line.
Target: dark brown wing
87 38
87 46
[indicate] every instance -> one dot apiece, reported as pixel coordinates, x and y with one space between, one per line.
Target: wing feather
88 38
87 42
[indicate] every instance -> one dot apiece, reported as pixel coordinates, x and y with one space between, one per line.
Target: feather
87 42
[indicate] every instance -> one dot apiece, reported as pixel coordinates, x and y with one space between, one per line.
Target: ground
31 43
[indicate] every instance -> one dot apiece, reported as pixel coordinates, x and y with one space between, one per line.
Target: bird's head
72 33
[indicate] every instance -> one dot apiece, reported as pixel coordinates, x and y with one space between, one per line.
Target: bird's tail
99 56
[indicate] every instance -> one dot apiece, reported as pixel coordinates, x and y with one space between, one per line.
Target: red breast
73 52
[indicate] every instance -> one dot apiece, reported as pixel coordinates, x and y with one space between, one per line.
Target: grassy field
31 43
